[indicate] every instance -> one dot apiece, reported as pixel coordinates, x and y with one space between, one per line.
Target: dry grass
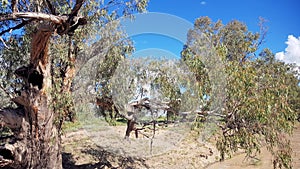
101 146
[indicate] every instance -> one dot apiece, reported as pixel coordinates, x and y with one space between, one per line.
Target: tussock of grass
71 126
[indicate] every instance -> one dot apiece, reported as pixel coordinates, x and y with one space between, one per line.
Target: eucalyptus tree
120 48
256 99
148 88
43 100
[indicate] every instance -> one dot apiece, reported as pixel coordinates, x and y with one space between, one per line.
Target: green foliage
107 67
165 82
63 49
71 126
198 68
62 102
110 116
257 107
198 123
260 103
168 87
11 58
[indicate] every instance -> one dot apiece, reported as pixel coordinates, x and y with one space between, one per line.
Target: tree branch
3 42
19 26
51 8
14 6
34 15
77 7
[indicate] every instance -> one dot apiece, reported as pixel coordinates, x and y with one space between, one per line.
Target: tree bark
131 127
37 142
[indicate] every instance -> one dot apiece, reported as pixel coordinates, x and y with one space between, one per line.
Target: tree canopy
259 92
47 36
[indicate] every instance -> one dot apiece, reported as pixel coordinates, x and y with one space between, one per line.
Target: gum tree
41 93
258 98
142 89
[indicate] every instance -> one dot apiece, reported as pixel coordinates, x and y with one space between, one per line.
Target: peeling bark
11 118
39 50
63 24
40 145
36 142
35 15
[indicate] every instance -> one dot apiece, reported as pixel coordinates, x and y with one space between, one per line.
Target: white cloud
203 2
292 51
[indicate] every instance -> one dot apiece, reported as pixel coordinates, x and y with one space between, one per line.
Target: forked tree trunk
37 142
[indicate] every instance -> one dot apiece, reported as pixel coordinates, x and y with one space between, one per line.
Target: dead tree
133 109
131 126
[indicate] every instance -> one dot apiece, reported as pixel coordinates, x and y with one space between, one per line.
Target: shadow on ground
105 160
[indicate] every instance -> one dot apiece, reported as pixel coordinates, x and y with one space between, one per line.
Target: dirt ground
264 160
104 146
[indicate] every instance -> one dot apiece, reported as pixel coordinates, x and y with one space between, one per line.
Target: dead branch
1 39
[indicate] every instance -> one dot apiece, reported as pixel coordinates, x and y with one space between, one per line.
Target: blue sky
283 20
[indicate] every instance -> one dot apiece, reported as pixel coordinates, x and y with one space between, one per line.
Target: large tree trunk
35 142
37 139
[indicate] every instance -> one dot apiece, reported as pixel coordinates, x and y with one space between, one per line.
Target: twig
50 6
19 26
76 8
4 43
14 5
